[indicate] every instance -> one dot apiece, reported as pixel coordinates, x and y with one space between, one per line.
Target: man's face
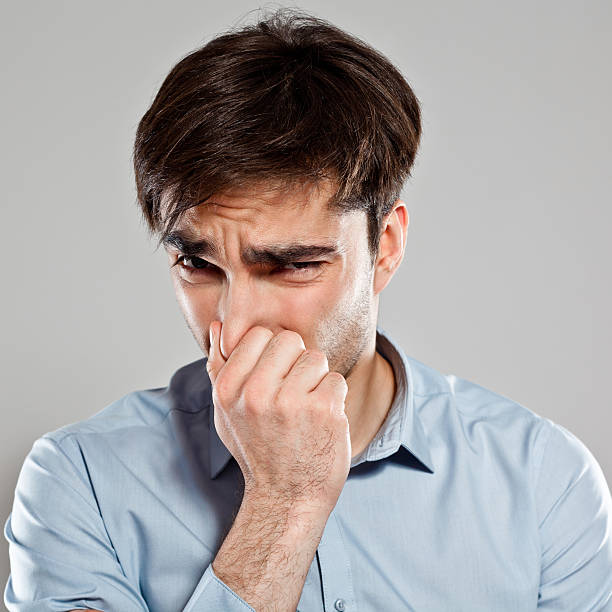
331 304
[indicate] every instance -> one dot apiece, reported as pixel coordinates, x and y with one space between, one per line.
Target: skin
333 308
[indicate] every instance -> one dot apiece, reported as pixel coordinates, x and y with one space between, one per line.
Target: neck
371 389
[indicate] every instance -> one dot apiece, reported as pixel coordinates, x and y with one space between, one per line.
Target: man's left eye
306 264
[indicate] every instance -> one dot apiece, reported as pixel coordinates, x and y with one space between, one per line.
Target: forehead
266 204
271 211
273 225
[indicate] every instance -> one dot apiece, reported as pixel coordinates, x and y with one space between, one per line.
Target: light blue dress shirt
464 501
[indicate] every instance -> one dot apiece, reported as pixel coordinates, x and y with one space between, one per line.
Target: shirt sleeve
575 524
213 594
60 553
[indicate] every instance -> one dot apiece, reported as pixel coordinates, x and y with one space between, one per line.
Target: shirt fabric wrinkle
463 500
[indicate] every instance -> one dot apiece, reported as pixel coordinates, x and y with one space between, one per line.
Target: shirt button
339 605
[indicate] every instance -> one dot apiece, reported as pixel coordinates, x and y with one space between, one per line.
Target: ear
391 245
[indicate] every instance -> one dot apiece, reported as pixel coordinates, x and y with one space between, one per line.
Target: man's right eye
205 265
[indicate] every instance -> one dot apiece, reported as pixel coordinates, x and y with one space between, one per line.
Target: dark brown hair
289 99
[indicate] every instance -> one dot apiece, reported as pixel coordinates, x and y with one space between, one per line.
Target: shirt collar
402 426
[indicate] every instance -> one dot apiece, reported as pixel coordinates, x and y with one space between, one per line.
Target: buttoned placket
334 569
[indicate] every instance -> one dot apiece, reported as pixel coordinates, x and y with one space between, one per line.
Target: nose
244 304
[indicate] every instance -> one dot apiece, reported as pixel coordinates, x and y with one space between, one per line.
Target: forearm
266 555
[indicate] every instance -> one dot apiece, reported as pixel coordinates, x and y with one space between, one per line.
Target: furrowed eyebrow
278 255
190 245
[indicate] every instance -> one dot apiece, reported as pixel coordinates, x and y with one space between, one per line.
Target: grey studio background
506 274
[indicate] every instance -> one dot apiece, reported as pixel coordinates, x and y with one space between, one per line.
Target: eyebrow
190 245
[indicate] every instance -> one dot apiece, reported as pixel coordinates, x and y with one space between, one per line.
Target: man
306 463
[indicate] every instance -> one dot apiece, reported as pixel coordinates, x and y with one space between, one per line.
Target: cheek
300 308
349 287
197 305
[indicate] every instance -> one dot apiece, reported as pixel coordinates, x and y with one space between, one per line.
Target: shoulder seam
75 467
537 468
88 484
52 435
430 394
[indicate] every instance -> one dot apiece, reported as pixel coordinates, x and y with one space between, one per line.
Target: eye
201 266
313 265
183 258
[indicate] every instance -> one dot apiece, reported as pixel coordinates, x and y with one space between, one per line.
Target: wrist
297 516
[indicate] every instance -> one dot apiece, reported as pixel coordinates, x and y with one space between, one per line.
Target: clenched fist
280 412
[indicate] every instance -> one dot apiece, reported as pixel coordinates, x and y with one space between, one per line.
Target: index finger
215 359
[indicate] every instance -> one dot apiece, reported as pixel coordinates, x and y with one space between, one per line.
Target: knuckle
260 329
253 408
289 336
337 379
223 386
251 393
281 402
257 331
315 355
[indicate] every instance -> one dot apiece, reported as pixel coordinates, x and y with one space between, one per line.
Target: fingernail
212 337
